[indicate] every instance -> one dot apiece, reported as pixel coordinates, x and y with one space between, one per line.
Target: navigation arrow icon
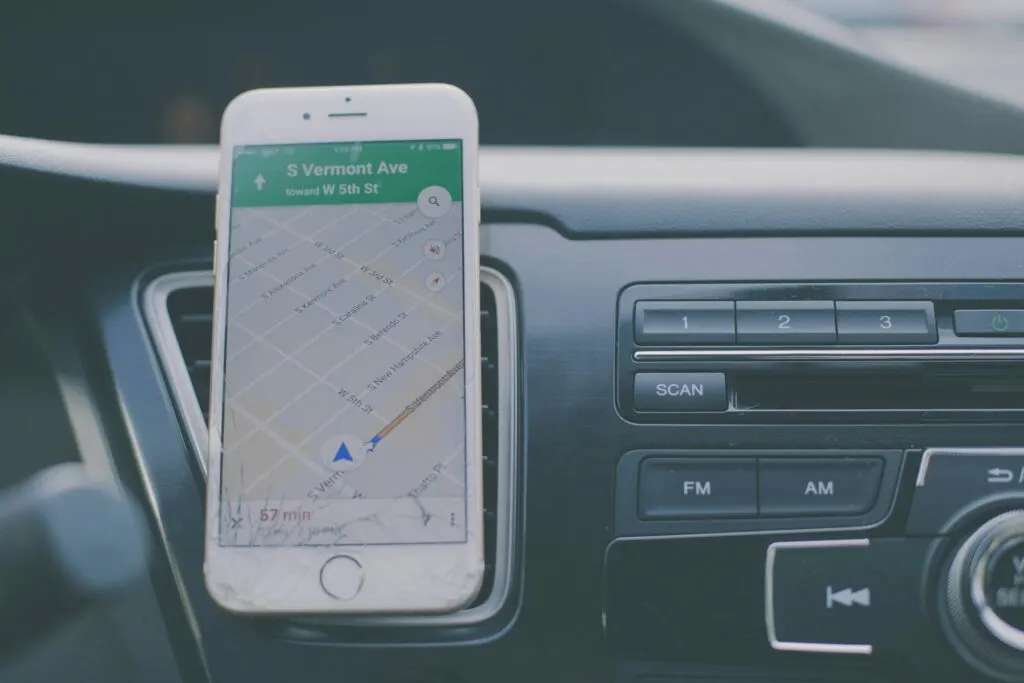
342 454
260 182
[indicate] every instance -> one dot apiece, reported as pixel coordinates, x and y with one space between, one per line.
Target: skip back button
842 596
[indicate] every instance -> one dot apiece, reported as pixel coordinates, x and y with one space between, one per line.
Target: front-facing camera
305 116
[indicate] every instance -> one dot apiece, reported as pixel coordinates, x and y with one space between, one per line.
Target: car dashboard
749 415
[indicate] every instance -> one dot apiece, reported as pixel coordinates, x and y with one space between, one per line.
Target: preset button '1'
685 322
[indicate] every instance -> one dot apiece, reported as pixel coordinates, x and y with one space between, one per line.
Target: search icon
434 201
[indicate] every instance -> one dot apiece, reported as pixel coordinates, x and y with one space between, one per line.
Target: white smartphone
345 454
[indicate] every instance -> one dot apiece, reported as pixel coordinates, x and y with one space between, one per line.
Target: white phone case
357 570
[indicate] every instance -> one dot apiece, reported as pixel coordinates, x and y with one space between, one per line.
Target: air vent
179 309
191 312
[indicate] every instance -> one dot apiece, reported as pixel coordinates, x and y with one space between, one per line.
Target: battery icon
449 145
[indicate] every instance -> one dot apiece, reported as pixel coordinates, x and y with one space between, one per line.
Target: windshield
540 72
620 73
974 43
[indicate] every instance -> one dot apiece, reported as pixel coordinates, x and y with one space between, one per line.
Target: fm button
684 488
670 392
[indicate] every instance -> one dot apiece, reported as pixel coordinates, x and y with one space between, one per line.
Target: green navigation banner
344 173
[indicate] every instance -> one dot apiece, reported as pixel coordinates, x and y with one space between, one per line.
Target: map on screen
344 385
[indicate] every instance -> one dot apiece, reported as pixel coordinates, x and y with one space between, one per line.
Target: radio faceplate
740 353
950 552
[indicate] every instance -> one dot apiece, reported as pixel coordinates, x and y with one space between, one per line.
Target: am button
799 487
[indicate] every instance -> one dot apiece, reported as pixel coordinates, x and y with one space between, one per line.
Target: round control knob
984 597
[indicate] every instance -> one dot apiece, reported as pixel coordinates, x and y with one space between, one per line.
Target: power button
989 323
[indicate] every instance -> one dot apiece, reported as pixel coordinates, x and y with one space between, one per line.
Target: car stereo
865 554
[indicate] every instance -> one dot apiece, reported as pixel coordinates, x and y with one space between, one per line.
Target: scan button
679 391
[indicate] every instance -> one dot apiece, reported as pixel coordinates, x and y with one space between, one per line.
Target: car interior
752 313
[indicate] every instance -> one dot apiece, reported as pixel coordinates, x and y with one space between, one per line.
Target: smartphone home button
341 577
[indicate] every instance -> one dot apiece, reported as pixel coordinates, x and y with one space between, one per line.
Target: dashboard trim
839 353
524 169
83 416
591 193
154 305
159 648
158 319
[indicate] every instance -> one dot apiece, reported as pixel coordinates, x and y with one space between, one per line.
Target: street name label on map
366 168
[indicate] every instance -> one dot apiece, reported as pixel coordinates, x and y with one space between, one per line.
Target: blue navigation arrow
342 454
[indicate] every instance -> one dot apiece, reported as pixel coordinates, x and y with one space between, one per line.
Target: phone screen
344 390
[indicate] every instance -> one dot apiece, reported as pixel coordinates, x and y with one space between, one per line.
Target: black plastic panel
573 437
748 218
706 606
